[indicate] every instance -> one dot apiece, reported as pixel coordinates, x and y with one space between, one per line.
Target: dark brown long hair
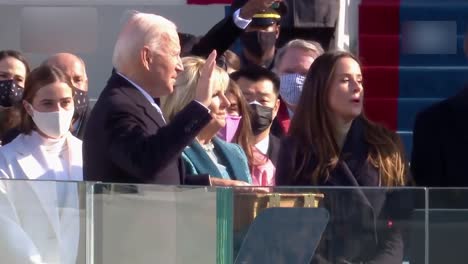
38 78
244 134
17 55
312 129
10 117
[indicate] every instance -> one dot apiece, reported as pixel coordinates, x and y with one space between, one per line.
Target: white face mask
53 124
291 87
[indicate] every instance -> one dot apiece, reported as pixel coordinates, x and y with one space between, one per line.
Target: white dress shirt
262 146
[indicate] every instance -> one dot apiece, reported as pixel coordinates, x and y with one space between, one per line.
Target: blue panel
408 108
431 82
426 10
407 138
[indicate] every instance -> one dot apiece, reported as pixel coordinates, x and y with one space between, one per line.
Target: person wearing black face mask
259 39
13 71
261 89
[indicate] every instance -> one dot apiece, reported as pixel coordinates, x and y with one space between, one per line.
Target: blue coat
231 155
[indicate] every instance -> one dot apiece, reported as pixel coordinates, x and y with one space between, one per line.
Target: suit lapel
230 158
30 161
273 149
137 97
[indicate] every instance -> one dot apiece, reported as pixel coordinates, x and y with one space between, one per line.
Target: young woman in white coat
46 212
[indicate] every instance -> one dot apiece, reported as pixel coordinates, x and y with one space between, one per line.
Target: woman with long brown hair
332 143
13 72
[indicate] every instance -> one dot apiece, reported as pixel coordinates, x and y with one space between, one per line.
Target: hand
206 81
225 182
253 7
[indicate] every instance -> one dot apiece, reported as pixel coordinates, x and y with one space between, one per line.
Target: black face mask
258 42
10 93
81 101
261 118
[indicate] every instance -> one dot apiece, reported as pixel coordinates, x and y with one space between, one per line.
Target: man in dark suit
260 87
440 142
127 139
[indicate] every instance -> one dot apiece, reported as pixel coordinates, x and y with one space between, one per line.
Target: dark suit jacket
440 143
273 152
127 141
220 37
358 230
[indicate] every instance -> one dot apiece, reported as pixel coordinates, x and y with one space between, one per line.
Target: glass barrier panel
42 222
448 225
153 224
329 225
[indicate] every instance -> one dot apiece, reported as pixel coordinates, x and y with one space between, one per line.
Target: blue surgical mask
291 87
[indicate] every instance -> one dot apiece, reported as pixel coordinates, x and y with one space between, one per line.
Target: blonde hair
186 84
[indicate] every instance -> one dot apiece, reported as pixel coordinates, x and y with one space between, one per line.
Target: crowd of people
289 116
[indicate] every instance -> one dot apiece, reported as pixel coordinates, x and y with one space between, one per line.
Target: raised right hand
206 82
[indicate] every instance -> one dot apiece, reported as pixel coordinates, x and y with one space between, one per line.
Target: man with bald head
127 139
74 67
440 141
71 65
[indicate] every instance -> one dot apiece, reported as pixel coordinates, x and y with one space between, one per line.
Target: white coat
34 226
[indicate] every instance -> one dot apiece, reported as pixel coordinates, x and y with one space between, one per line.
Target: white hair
139 30
307 45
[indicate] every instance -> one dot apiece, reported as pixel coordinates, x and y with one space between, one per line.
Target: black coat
440 141
361 220
127 140
220 37
273 151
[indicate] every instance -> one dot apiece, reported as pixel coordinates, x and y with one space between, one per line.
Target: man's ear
276 108
146 57
277 31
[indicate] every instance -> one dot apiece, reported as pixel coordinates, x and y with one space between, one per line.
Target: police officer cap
265 18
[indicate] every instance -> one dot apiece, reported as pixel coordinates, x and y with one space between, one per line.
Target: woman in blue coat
208 154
